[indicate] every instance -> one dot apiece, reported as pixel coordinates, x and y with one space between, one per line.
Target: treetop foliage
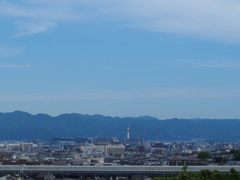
203 175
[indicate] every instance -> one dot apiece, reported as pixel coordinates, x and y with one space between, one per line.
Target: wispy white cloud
212 63
216 19
32 17
55 11
9 51
158 93
15 66
203 18
33 28
220 64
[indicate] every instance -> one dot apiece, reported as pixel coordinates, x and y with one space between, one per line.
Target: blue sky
164 58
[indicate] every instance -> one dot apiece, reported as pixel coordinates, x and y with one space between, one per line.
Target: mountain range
20 125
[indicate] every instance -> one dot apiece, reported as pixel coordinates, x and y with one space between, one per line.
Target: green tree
220 159
236 153
204 155
234 174
203 175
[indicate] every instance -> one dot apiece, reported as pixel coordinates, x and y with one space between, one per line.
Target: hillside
20 125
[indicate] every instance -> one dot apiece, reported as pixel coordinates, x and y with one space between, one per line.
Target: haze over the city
164 58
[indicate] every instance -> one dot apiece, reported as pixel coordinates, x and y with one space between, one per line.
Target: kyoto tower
128 132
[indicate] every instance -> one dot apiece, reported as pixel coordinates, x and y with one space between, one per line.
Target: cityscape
114 152
119 90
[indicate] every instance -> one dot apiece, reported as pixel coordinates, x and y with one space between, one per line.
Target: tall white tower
128 132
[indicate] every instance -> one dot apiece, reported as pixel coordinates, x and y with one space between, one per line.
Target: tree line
203 175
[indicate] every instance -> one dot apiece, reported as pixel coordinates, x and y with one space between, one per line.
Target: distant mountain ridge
19 125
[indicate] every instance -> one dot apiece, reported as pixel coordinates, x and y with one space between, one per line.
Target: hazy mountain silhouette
20 125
